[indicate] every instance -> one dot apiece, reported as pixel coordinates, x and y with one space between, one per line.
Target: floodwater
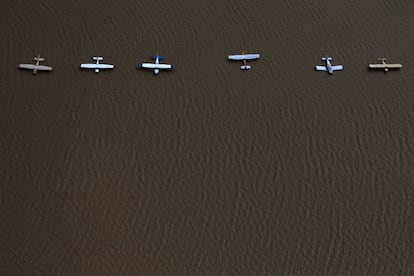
207 170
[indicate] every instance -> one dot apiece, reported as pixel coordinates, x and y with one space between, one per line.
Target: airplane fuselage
157 61
329 66
97 69
383 62
36 66
38 59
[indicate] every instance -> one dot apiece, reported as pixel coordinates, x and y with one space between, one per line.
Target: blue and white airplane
156 66
329 67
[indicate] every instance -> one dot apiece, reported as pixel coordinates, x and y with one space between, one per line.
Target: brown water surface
207 170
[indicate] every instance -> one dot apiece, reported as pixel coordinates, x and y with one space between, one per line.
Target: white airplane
244 57
36 67
156 66
385 66
97 66
329 67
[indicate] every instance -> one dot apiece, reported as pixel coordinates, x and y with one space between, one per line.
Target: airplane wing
27 66
147 65
377 66
44 68
337 67
321 68
382 66
243 57
156 66
165 66
88 65
394 65
105 66
96 66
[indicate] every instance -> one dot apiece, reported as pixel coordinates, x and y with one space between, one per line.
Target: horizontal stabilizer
157 56
38 59
326 58
245 67
98 58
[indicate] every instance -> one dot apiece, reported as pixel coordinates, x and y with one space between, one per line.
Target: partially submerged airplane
36 67
385 66
329 67
97 66
244 58
156 66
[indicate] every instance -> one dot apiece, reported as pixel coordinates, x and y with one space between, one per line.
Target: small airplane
385 66
36 67
244 58
329 67
156 66
97 66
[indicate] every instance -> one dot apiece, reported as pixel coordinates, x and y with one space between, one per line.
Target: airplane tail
98 58
327 58
245 67
157 56
38 58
